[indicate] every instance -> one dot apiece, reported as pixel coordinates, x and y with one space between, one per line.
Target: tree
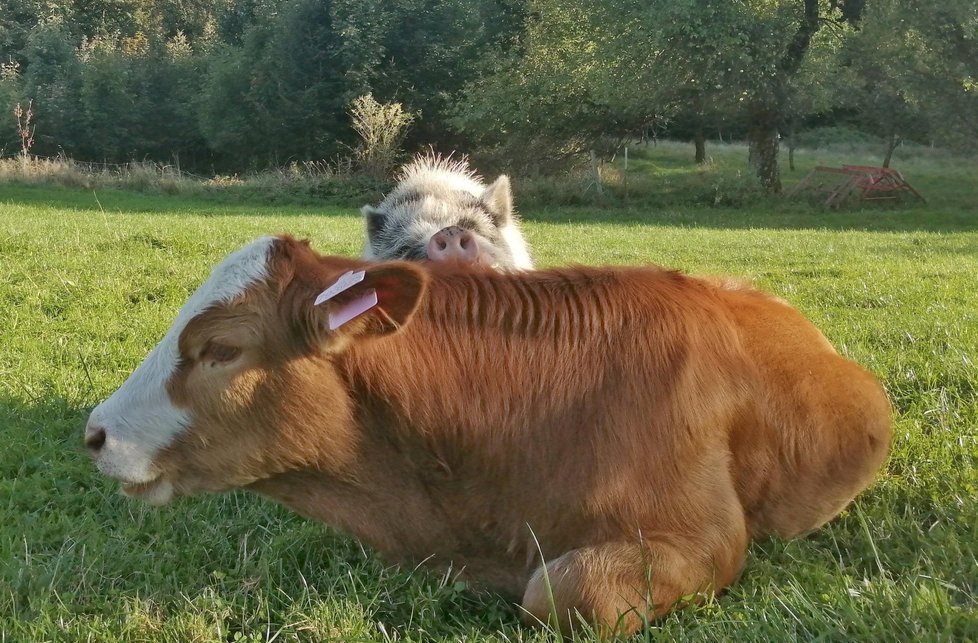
743 62
779 41
283 94
700 68
166 79
913 68
430 49
820 86
109 102
574 78
52 78
587 69
17 19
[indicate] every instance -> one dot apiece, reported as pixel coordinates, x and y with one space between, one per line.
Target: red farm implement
855 182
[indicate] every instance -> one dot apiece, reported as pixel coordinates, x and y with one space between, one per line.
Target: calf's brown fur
634 425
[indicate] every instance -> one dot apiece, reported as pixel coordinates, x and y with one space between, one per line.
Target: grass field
90 281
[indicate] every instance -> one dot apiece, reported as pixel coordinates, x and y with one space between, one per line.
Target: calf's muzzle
94 438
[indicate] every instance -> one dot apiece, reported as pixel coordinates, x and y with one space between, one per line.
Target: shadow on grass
77 549
763 213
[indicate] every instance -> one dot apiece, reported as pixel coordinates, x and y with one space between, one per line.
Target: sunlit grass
89 282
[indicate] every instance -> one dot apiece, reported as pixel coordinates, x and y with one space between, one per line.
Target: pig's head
440 214
243 386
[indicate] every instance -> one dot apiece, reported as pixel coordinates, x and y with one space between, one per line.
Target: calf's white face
243 386
126 432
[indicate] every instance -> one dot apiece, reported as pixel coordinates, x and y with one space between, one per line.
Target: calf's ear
377 300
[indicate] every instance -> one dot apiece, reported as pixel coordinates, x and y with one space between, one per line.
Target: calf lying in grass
603 441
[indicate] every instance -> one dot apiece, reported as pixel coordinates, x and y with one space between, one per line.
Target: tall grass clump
32 170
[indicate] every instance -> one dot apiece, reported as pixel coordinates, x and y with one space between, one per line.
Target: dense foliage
233 85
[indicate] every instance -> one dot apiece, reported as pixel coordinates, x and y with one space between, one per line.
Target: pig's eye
414 252
219 353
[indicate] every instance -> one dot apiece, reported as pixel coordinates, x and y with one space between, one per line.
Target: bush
381 128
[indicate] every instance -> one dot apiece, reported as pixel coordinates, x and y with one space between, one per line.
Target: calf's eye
219 353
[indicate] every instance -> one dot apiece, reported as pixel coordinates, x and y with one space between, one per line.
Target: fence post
626 174
596 173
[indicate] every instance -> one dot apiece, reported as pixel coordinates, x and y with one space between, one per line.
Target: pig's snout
453 244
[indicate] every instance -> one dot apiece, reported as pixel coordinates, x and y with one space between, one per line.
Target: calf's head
242 386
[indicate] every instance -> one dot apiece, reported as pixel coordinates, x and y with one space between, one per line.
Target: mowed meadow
90 281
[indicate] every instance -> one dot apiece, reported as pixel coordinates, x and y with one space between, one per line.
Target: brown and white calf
635 426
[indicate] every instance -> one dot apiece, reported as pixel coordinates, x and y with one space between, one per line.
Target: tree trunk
768 113
891 145
699 140
791 145
763 137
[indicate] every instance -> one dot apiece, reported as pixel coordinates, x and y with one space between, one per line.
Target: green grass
89 282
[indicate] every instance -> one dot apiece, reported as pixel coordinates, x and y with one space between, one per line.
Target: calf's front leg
619 586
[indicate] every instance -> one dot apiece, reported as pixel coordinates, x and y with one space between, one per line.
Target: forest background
527 86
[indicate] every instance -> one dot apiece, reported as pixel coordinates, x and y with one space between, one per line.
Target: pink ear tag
353 308
346 280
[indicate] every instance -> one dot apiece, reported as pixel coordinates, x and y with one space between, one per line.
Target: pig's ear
377 300
375 220
498 200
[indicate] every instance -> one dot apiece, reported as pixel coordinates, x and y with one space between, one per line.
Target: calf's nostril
95 439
